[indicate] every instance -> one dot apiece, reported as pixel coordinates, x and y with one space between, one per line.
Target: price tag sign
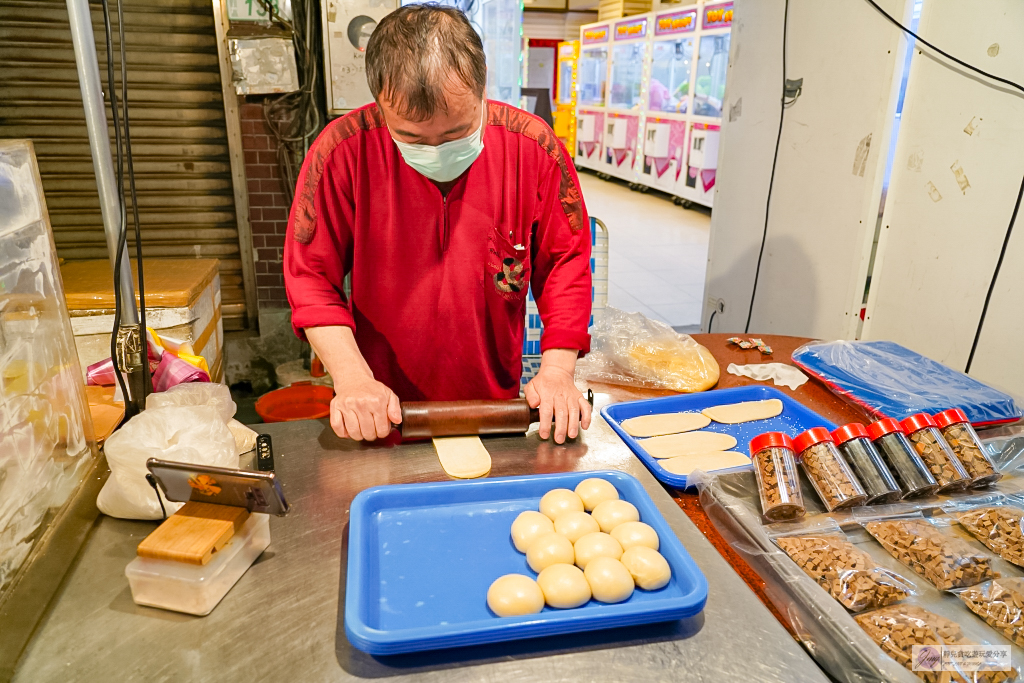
254 10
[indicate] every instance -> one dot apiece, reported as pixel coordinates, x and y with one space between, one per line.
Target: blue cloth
893 381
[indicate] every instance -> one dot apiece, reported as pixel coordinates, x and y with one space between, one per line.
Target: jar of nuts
936 453
961 437
828 471
902 459
777 479
867 464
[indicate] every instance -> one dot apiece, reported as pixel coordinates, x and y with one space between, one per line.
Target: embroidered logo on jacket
511 278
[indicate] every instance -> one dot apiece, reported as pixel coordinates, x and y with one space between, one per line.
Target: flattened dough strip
665 423
463 457
709 462
690 443
747 411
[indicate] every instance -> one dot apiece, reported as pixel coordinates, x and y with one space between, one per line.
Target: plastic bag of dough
193 434
630 349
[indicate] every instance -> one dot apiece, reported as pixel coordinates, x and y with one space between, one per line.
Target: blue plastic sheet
890 380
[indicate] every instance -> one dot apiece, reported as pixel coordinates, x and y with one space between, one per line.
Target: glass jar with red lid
867 464
828 471
777 480
963 440
936 453
902 459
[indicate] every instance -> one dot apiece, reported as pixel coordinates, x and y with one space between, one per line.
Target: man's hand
554 392
363 409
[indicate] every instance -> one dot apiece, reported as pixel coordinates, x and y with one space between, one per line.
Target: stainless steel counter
281 620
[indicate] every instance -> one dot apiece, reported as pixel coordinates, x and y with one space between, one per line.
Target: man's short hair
416 51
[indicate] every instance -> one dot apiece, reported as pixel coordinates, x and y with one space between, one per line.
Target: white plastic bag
214 396
245 438
193 434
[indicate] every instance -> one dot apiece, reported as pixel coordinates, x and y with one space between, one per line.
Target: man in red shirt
444 208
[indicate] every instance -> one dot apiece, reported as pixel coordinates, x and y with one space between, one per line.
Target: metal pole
99 143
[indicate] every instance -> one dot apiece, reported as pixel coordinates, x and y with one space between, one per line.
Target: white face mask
446 161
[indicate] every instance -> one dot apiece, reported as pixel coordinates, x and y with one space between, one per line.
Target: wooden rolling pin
427 419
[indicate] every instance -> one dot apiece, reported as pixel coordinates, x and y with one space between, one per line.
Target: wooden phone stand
194 533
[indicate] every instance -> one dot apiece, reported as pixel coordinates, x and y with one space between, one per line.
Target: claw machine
661 160
591 81
565 96
625 96
697 181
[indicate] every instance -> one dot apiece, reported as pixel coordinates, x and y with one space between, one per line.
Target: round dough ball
513 595
549 549
609 580
528 527
557 501
612 513
575 524
648 568
597 544
630 534
564 586
595 491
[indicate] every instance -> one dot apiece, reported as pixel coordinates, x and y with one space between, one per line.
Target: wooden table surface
812 394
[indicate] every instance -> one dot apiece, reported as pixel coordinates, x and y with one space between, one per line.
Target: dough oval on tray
666 423
709 462
690 443
748 411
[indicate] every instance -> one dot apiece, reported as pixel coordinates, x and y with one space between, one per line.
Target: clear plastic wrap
946 561
1000 603
897 629
837 565
630 349
997 523
825 628
45 423
892 381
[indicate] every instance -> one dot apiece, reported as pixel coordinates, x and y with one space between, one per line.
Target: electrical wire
295 119
122 233
1020 192
146 381
711 319
775 160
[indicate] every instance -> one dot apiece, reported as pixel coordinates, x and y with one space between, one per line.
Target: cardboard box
182 302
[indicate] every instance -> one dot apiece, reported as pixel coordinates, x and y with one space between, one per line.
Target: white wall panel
827 183
939 243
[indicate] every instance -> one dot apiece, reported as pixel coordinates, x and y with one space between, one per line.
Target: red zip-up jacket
439 282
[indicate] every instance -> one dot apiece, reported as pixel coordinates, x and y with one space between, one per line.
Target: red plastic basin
300 401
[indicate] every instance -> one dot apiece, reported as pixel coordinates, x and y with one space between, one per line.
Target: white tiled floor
657 251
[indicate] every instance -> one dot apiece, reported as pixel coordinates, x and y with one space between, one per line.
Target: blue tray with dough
422 556
795 418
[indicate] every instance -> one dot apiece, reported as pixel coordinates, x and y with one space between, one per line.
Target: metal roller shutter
179 138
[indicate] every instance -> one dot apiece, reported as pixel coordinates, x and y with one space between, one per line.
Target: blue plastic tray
422 556
795 418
